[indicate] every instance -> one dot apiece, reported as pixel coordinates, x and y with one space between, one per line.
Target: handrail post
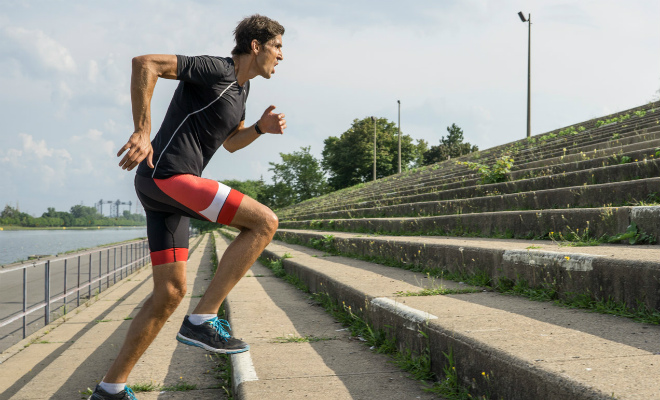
47 293
65 267
121 262
114 266
107 268
100 269
78 291
24 301
89 287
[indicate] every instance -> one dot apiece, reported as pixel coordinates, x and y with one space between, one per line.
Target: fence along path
34 294
566 188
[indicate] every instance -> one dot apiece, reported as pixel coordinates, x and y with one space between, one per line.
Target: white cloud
32 47
39 149
93 71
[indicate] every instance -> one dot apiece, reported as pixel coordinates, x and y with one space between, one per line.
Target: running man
207 111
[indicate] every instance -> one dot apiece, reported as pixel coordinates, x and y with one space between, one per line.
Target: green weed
180 386
302 339
144 387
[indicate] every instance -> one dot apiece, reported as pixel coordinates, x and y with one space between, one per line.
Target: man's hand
139 148
271 122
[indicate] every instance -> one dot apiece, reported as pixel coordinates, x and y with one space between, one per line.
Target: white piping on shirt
184 120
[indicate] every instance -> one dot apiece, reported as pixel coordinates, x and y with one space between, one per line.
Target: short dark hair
256 27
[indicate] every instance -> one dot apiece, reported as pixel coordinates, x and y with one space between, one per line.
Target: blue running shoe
212 335
100 394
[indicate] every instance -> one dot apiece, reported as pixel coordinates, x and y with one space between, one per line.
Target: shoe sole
191 342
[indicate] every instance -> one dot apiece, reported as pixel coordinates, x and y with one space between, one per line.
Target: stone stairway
575 219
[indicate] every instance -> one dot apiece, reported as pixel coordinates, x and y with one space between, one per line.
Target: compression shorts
170 203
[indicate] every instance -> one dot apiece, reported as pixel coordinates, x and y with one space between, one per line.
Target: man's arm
146 71
269 122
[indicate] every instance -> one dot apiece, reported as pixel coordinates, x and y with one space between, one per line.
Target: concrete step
644 151
502 346
583 196
624 274
587 223
609 174
298 351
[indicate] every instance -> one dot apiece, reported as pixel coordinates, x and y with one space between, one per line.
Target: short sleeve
201 70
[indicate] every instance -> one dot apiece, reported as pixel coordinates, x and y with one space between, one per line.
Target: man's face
269 56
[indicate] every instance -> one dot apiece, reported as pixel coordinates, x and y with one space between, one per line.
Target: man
207 111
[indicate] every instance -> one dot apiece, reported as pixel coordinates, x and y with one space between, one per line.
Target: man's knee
271 223
168 295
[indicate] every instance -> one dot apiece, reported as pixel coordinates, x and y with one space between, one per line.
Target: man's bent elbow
139 62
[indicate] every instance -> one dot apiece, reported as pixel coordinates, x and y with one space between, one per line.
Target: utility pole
373 119
399 129
529 69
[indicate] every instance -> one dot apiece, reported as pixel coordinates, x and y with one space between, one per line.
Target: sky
65 101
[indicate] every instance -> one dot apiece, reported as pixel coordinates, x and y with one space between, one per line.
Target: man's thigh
251 215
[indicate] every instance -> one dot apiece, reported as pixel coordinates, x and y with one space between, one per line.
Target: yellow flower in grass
567 258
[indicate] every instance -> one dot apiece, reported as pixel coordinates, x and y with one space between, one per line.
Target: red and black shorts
170 203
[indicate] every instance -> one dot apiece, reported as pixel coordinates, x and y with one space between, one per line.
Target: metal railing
89 270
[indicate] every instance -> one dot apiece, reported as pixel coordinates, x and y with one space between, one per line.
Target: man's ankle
198 319
112 388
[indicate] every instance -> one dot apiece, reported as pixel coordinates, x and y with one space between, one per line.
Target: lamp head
522 16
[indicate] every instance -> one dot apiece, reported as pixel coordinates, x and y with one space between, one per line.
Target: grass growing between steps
573 238
417 365
519 287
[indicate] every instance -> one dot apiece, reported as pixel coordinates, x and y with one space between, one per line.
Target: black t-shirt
206 107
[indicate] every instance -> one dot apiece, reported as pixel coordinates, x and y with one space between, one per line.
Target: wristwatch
256 128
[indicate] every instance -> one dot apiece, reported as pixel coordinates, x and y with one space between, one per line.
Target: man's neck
244 67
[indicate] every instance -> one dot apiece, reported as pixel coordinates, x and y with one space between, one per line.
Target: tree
250 188
349 159
452 146
299 177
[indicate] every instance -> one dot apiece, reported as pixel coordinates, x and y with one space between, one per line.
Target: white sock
198 319
112 388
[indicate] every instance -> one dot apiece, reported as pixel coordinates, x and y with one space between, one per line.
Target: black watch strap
256 128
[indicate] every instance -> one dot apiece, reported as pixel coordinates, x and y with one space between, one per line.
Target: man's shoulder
205 69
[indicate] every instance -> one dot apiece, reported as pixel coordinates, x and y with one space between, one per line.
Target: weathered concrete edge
242 368
568 271
516 378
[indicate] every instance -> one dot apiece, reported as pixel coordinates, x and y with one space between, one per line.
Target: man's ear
255 46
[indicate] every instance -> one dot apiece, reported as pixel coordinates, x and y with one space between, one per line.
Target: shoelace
130 393
219 325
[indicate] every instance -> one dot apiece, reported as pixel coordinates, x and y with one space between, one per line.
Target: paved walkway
298 351
64 359
69 357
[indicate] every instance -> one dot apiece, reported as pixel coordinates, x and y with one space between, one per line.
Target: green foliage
327 244
452 146
640 113
299 177
547 137
498 172
571 130
79 216
349 159
620 118
252 188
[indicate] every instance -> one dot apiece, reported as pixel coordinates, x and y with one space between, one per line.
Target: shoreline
66 228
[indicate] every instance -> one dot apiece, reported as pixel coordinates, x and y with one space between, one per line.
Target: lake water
18 245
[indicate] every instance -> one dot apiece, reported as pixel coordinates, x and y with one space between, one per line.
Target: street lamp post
373 119
399 129
529 68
